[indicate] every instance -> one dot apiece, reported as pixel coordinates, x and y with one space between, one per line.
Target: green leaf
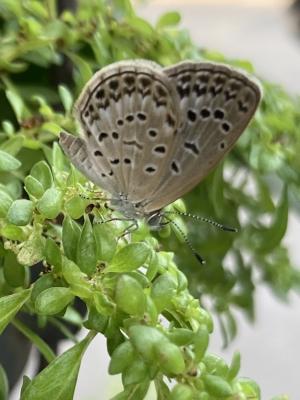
181 336
20 212
5 202
168 19
8 162
249 388
106 241
129 258
85 71
17 104
163 289
26 381
3 384
13 145
234 366
53 300
130 296
13 232
87 250
58 380
75 207
269 238
33 187
200 341
145 339
103 303
14 273
137 372
32 250
77 280
44 282
215 365
96 321
66 97
50 203
58 159
121 358
42 173
134 392
170 358
70 237
217 386
181 392
53 254
10 305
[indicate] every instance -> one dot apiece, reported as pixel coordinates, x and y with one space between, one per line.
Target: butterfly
151 134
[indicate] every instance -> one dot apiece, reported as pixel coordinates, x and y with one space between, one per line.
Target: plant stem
40 344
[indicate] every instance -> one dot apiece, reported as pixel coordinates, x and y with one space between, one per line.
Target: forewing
216 104
129 115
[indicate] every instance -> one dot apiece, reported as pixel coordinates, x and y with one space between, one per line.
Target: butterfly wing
76 149
129 115
216 104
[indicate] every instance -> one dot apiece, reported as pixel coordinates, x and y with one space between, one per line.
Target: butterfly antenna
203 219
186 240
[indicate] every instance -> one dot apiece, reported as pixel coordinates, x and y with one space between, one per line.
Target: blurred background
267 33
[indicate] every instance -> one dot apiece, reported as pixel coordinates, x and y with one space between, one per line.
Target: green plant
50 214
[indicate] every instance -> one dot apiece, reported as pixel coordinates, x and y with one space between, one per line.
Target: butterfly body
150 134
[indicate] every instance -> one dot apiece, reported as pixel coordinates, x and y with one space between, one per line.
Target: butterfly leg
130 229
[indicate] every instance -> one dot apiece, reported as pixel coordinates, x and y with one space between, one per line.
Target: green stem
40 344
